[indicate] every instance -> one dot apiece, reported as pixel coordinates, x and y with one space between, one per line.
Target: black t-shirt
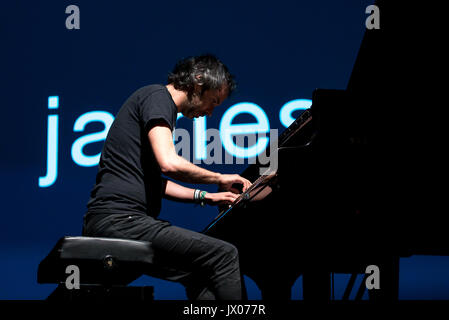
129 177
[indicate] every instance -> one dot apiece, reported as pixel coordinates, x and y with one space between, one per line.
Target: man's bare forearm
185 171
177 192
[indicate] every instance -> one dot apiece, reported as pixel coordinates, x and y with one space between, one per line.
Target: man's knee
229 252
221 255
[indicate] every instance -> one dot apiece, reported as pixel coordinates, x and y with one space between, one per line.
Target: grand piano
361 174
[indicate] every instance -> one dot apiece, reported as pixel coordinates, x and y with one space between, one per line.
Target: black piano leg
275 290
244 291
316 285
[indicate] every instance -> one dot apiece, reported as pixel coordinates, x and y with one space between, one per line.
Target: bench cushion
100 260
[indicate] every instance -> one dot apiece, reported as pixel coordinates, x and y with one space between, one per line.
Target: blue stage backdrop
62 84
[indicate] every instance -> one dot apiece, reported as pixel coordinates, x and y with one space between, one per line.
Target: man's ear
199 79
198 90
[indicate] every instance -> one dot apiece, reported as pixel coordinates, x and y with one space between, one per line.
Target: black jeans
206 266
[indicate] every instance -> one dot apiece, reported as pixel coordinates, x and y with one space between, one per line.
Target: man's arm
178 168
177 192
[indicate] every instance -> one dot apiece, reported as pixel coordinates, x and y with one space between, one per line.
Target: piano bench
97 268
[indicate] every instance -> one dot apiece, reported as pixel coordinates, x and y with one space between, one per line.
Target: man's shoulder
155 102
144 97
149 90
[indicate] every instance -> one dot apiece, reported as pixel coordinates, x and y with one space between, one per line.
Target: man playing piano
126 198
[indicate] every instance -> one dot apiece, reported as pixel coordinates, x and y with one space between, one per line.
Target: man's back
129 178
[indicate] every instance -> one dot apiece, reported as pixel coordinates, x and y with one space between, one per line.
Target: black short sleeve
157 106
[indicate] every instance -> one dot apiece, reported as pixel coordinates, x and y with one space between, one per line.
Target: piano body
360 174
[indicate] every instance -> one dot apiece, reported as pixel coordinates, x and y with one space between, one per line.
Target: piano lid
398 80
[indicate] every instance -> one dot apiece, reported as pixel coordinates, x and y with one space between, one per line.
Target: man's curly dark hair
205 70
